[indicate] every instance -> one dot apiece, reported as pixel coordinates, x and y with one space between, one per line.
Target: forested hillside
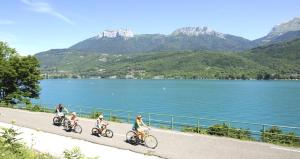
276 61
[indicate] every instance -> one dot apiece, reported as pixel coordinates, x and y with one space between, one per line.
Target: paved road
173 145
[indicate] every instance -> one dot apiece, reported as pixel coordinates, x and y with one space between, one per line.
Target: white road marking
285 149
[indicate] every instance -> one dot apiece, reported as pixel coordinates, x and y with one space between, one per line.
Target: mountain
184 39
279 61
281 57
283 32
188 52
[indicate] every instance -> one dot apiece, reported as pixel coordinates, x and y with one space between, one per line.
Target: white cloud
43 7
6 22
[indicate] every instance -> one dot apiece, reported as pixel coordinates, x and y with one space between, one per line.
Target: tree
19 76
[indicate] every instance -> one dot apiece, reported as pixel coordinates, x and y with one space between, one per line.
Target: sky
32 26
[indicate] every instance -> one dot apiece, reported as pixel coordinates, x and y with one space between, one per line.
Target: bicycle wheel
63 121
151 141
78 129
95 131
56 121
131 137
109 133
66 125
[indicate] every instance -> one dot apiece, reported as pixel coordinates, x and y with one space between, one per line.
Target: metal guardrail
177 122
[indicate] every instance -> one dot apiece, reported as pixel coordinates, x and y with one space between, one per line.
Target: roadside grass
75 153
272 135
12 148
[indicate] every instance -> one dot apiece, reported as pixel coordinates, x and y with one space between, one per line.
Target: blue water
273 102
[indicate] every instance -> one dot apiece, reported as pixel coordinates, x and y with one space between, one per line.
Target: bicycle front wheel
151 141
109 133
78 129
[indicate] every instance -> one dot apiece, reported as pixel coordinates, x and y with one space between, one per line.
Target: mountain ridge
123 41
182 39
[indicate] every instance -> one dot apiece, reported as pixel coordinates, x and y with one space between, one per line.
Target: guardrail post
198 126
79 112
172 122
128 117
263 129
228 124
110 115
149 118
94 113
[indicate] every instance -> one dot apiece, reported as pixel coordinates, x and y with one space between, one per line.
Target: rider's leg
73 124
142 136
138 134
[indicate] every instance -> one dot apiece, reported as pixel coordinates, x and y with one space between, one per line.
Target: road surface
172 144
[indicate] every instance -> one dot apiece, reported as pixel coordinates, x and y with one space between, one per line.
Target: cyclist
60 108
140 127
101 123
73 119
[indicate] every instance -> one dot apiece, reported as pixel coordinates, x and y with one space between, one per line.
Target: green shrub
161 126
34 108
115 119
218 130
276 136
226 130
11 148
95 114
37 108
75 153
28 107
9 138
194 129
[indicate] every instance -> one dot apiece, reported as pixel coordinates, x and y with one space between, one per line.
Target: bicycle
69 127
59 119
99 131
149 141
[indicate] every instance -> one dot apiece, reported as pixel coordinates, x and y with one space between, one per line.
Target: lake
273 102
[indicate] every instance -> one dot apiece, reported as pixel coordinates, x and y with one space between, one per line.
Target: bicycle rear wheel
56 121
151 141
95 131
131 137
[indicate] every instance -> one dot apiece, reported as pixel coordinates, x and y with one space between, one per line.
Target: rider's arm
66 110
105 122
143 124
